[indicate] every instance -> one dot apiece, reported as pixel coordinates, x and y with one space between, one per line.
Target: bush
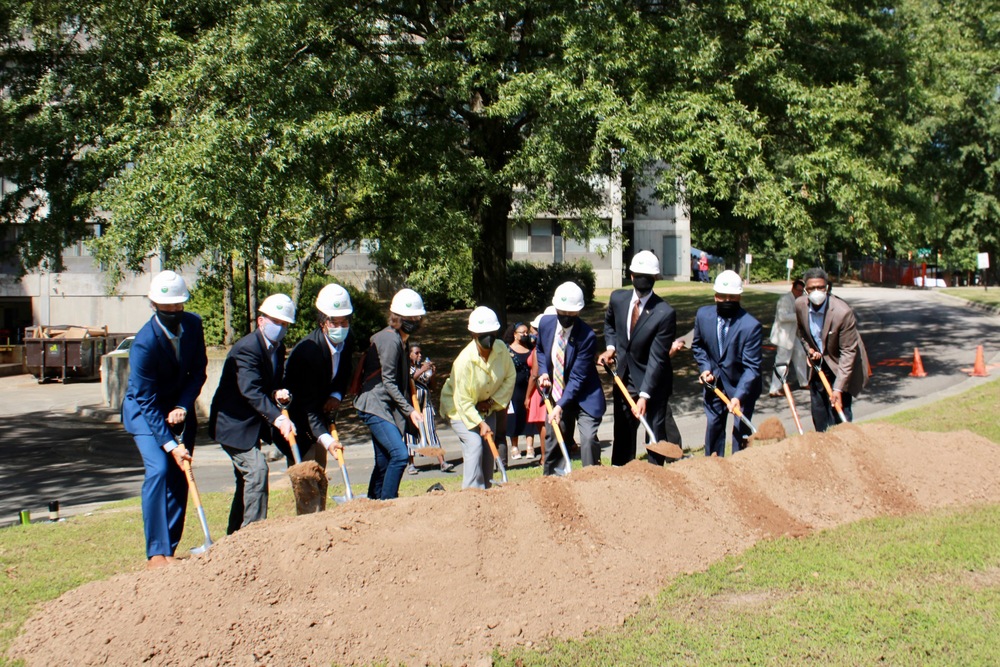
530 286
206 300
445 285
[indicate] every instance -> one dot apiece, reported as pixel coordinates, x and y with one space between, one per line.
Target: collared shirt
816 318
631 306
335 350
473 380
175 339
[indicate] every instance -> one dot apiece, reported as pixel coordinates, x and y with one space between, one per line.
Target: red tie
635 318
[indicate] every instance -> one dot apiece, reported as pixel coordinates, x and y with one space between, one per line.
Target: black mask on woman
527 340
409 327
566 321
727 309
643 284
171 320
486 340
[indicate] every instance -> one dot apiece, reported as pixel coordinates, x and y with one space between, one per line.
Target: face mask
171 320
409 327
486 341
643 285
727 309
525 340
566 321
274 332
337 335
817 298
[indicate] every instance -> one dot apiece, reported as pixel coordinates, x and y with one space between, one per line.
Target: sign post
983 263
789 264
748 260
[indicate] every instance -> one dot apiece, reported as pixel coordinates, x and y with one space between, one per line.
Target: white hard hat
167 287
407 303
568 298
280 307
483 320
645 263
728 282
334 301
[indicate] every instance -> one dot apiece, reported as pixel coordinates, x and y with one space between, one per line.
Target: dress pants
590 448
164 498
715 431
477 458
250 498
823 413
661 420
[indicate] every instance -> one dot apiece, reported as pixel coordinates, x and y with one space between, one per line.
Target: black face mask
566 321
486 340
409 327
526 340
643 285
727 309
171 320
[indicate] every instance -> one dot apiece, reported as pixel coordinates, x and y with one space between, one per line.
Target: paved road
48 452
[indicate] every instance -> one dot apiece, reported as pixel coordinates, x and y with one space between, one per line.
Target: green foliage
206 300
445 284
530 287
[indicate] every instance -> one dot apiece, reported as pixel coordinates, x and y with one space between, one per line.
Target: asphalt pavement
57 441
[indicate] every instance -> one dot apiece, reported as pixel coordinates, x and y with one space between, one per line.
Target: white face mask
337 335
817 297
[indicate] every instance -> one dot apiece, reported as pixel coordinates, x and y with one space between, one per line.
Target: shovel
567 467
193 489
725 399
818 368
423 449
308 479
496 457
788 395
662 447
339 453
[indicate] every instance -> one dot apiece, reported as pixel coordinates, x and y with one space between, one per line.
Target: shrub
530 286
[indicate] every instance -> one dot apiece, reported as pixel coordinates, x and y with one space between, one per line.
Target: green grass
974 410
990 296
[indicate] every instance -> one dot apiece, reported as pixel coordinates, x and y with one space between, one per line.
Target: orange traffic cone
918 365
979 368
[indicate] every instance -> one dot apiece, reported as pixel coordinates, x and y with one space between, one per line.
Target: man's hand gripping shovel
193 489
817 367
662 447
729 405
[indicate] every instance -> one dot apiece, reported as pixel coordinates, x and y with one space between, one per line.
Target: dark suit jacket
582 385
737 368
644 359
309 376
843 350
242 409
158 382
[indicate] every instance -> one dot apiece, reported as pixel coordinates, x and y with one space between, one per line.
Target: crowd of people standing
540 382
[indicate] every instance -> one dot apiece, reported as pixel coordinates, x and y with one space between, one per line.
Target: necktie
635 318
274 361
559 365
723 332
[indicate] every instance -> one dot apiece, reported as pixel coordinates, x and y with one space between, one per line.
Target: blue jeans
391 457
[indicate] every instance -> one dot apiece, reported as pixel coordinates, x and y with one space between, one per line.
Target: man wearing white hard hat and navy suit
566 350
245 409
639 330
727 350
166 372
318 373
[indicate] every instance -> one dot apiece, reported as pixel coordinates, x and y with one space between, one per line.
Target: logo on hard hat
336 304
408 304
164 289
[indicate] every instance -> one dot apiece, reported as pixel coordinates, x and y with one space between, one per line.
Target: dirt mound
445 577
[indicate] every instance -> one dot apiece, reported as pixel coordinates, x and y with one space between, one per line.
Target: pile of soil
445 577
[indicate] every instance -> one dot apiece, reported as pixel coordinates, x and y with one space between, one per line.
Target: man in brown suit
829 331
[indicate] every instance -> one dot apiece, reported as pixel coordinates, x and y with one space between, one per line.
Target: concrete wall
114 381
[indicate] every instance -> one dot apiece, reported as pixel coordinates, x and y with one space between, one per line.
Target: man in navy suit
639 330
566 349
167 368
727 349
244 408
318 373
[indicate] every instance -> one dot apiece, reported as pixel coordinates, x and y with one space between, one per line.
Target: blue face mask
337 335
274 332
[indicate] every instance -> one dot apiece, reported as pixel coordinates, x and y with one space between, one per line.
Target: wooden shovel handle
621 385
192 487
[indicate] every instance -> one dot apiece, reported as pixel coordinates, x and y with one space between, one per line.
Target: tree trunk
228 305
252 289
304 264
489 255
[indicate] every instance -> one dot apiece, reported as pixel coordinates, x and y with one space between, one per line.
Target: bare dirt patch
446 577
